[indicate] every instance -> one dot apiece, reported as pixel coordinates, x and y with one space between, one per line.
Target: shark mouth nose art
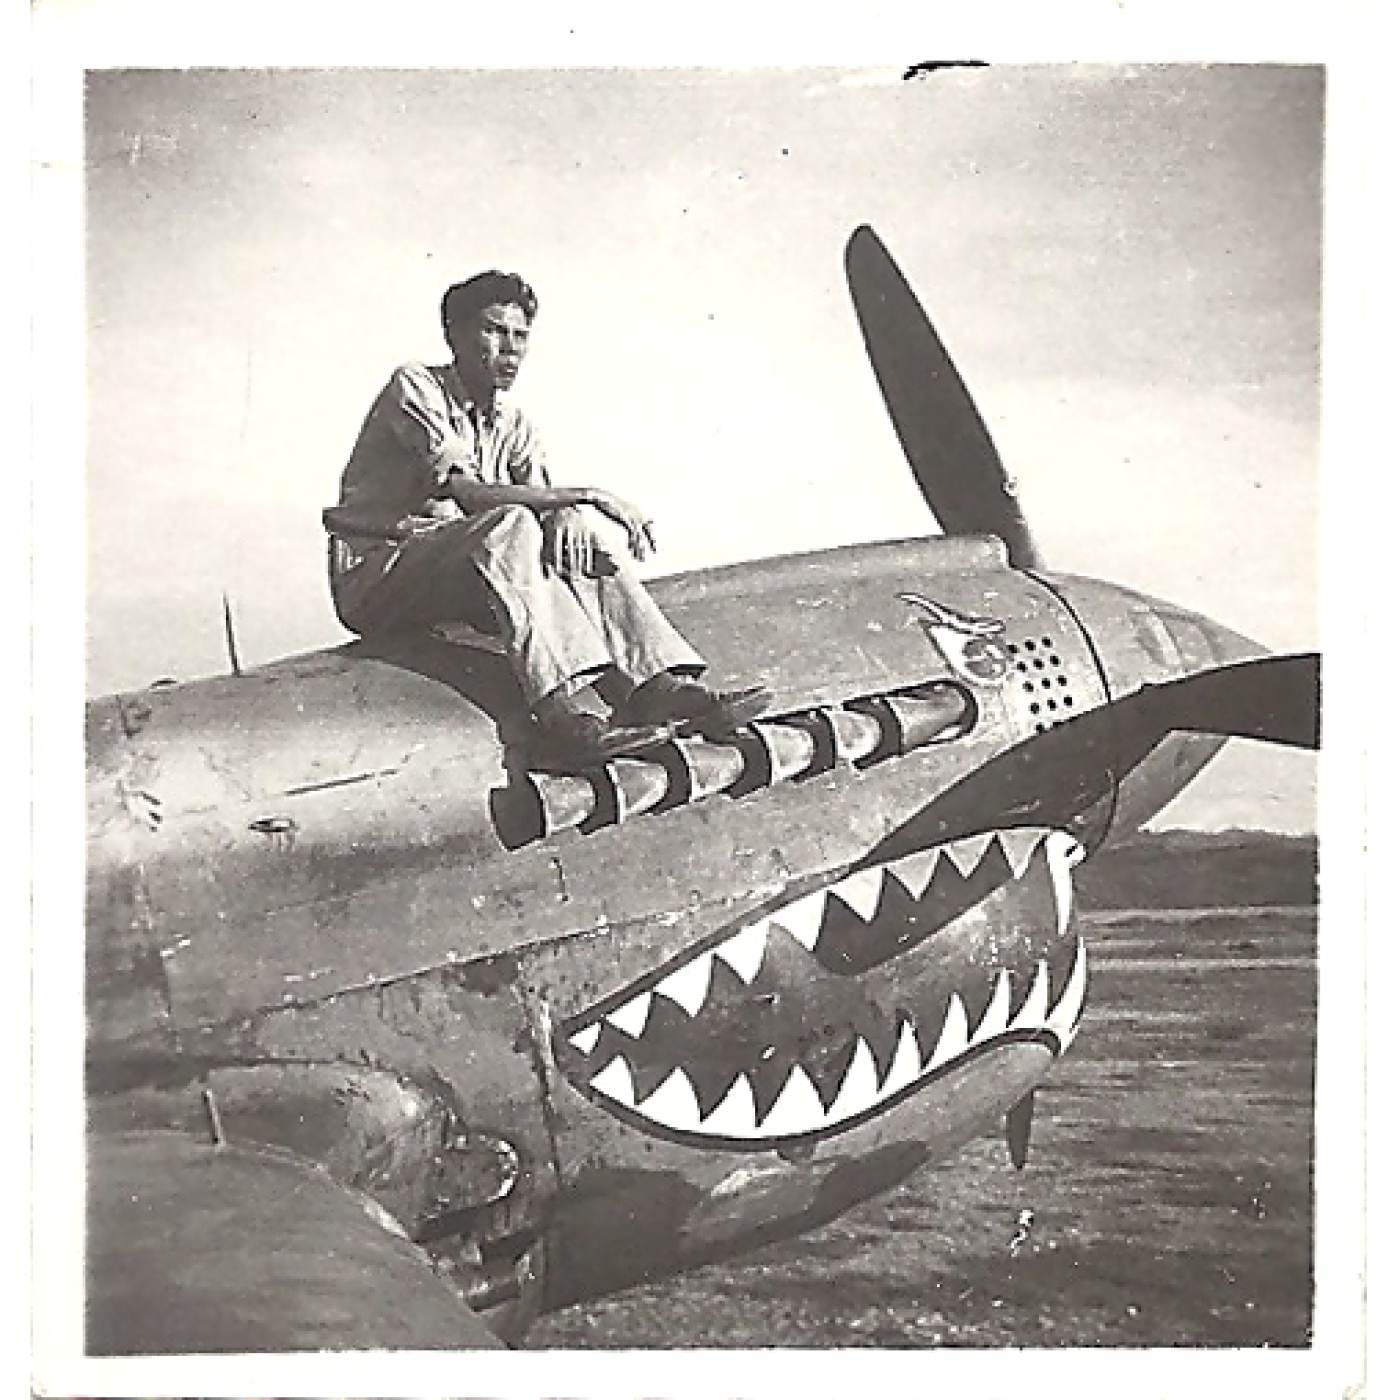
815 1015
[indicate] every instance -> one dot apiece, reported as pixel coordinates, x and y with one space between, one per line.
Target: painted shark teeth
586 1039
674 1104
1062 854
907 1064
796 1108
861 1086
735 1115
1035 1010
967 853
797 1111
998 1011
689 984
883 1063
803 918
953 1038
614 1081
1019 843
744 952
861 891
1064 1019
631 1016
915 872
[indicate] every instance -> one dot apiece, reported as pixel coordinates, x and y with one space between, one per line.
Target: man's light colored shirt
423 426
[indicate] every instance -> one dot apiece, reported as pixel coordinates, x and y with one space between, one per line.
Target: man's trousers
489 569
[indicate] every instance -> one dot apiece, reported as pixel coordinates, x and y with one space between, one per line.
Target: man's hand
640 539
572 548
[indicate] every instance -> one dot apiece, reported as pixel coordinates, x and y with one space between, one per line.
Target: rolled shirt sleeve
420 429
415 411
525 455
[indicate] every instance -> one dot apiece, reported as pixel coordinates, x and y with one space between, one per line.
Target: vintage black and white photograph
702 706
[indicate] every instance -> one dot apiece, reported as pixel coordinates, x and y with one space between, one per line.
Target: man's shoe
670 699
570 739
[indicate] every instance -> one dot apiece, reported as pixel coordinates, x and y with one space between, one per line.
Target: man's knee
509 521
507 542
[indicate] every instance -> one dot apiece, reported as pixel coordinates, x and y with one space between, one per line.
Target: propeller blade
949 449
1274 698
1054 777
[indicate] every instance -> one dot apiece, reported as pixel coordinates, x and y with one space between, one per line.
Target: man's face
489 352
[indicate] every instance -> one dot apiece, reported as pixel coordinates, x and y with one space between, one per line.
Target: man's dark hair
463 300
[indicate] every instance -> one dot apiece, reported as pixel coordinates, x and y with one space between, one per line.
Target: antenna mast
235 666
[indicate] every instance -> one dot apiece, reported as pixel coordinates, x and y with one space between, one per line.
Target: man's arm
475 496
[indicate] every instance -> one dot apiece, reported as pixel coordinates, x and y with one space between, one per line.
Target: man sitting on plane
447 513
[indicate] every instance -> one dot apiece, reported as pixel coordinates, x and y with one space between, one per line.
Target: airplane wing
197 1248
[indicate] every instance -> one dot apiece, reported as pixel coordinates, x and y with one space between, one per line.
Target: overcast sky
1124 263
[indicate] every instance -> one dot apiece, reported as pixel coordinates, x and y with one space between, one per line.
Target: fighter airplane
395 1042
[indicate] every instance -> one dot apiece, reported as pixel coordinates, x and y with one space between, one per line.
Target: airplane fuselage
575 1031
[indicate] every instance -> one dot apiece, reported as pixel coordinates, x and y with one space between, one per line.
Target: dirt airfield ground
1170 1179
